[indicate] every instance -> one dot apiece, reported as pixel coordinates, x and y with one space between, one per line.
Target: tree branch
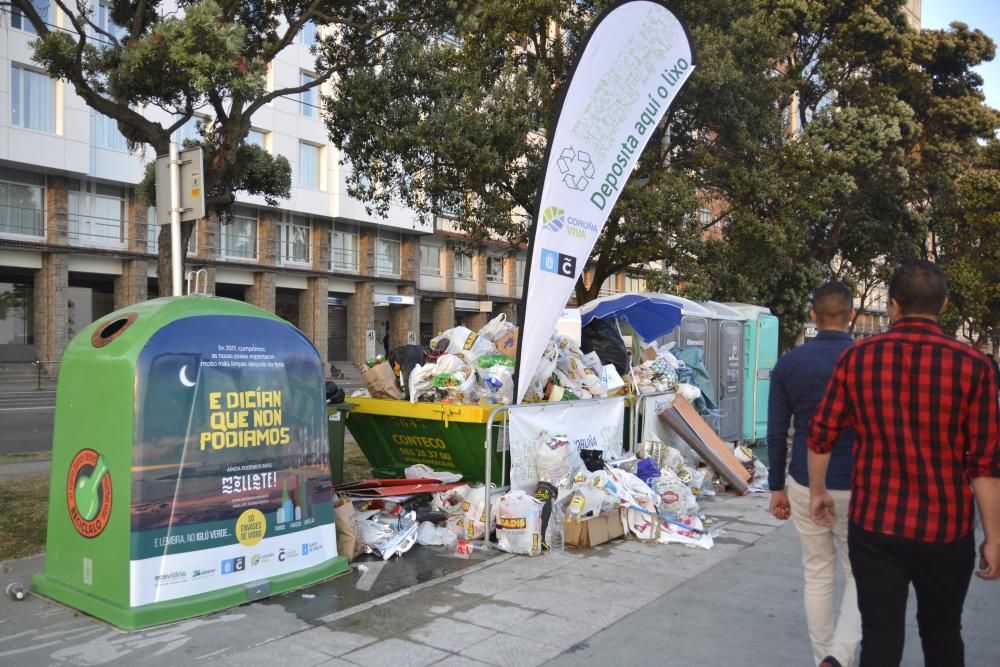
135 31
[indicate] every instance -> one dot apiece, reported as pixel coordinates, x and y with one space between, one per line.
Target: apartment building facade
76 242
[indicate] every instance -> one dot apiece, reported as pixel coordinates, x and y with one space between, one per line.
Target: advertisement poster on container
230 473
599 425
633 64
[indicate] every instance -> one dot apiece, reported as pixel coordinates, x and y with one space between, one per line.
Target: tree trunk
586 294
165 255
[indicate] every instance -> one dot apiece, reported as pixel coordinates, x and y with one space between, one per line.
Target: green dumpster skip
335 418
394 435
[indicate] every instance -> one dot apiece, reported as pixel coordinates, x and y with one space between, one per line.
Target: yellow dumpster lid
473 414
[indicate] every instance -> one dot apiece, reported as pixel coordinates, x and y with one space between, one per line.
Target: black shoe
830 661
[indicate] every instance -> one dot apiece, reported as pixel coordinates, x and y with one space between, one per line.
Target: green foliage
968 231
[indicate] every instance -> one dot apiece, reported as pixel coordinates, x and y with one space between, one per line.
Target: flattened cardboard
695 431
507 343
383 488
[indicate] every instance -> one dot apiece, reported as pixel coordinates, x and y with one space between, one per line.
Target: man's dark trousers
884 566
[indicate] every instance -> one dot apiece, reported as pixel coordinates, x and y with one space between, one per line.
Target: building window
21 22
294 233
430 260
32 99
494 269
105 23
451 206
107 134
635 283
519 271
344 248
152 231
189 130
463 266
17 313
309 165
153 234
96 214
704 218
238 239
609 286
308 33
307 98
257 138
387 252
22 203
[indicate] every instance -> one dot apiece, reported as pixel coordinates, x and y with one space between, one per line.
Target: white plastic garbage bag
466 342
474 515
676 497
496 328
451 502
497 383
430 535
421 471
420 382
519 523
557 460
588 501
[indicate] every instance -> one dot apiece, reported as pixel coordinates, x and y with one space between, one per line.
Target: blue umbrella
650 315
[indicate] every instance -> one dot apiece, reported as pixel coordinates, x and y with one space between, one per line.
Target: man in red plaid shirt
925 413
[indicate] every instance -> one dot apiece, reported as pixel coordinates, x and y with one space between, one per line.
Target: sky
982 14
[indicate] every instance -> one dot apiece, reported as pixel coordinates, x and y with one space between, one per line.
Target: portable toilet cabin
760 354
693 331
724 360
692 334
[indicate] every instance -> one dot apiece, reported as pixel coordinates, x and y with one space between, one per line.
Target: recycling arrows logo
576 167
553 218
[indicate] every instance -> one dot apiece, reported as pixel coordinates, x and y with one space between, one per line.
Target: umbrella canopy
650 315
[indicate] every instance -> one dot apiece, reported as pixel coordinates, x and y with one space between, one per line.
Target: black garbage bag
593 459
406 358
602 337
334 394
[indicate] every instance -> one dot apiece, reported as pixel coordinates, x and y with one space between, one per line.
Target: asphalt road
26 421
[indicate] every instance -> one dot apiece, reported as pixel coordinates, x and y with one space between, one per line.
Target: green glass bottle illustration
303 497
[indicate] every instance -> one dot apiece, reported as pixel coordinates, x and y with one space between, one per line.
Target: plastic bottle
556 542
575 508
287 510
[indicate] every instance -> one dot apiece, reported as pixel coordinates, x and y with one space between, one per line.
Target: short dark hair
919 286
833 301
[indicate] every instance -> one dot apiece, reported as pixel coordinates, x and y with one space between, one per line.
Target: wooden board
695 431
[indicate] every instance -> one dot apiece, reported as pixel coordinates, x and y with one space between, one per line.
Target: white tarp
637 57
587 425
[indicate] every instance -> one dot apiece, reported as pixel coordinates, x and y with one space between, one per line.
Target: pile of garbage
578 502
477 368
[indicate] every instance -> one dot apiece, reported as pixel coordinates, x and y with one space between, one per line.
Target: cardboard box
648 353
592 532
507 343
613 381
381 381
